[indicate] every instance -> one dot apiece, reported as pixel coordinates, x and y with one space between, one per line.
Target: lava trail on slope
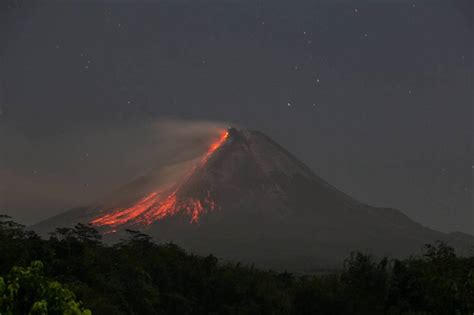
164 203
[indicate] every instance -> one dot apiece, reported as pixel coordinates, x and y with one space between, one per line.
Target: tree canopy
139 276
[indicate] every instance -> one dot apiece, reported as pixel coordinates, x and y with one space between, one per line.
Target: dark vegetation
28 291
137 276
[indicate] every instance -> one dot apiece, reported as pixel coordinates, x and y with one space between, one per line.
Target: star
289 104
356 10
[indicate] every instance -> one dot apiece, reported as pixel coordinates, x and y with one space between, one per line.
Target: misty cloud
43 176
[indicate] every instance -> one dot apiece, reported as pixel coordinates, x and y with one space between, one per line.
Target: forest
74 272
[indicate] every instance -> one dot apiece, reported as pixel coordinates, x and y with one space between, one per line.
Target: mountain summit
248 199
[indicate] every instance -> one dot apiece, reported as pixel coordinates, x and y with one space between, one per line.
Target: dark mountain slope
250 200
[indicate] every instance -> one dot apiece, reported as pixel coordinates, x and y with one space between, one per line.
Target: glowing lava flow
159 204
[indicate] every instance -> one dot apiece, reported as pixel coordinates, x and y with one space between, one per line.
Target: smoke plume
45 175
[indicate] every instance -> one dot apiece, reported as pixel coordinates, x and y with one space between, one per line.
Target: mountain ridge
253 201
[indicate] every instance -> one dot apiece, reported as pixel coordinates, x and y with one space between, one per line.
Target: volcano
248 199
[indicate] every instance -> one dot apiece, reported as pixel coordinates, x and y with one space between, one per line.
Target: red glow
159 205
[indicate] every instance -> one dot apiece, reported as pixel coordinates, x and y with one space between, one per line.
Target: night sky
375 96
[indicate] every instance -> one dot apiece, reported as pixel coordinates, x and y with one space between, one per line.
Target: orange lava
159 205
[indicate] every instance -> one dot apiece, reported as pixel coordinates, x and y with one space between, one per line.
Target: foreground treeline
137 276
